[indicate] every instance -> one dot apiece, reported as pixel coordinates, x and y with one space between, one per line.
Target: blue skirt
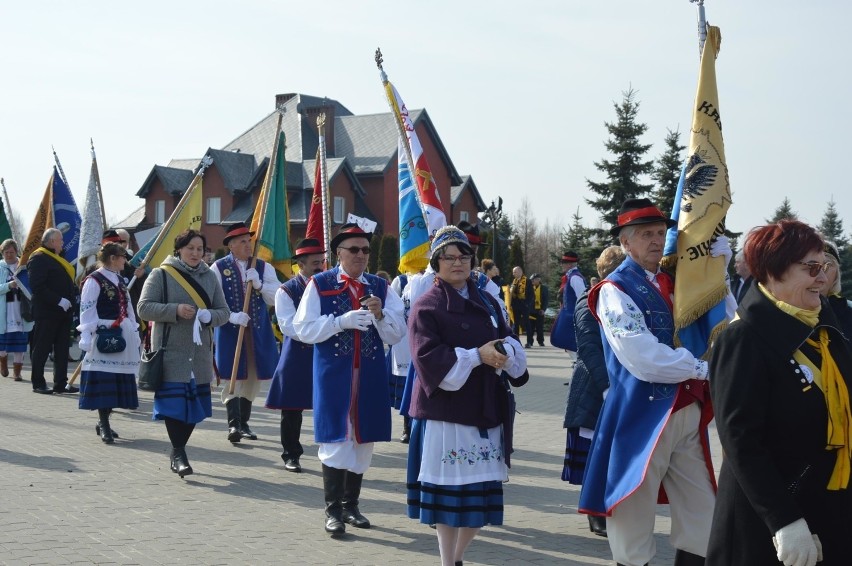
396 384
576 454
13 342
107 390
186 402
470 505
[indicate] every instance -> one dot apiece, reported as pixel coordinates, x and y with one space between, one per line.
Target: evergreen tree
516 257
782 212
831 227
623 172
579 239
667 172
375 248
504 237
389 255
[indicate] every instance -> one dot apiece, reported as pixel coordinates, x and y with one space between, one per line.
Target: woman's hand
490 356
186 312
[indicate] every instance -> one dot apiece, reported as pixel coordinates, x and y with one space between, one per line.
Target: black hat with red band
349 230
236 230
636 211
308 246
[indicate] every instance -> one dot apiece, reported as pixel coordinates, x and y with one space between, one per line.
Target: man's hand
356 320
374 305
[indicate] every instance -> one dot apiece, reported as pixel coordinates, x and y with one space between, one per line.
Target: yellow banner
42 221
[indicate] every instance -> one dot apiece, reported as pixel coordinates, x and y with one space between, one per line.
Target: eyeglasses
814 267
452 259
355 249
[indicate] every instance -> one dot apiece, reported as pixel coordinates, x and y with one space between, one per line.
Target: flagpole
401 131
247 290
702 25
8 207
206 161
98 184
59 166
326 221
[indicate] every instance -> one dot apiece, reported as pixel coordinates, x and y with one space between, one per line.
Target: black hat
831 249
639 211
349 230
569 257
535 276
238 229
110 236
308 246
472 232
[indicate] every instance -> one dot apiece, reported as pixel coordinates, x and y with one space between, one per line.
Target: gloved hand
203 316
722 247
87 341
239 318
795 545
64 304
819 548
253 276
356 320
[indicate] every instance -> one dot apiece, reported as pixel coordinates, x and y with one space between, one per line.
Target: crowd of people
638 409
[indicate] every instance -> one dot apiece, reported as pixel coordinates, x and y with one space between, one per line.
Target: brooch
227 272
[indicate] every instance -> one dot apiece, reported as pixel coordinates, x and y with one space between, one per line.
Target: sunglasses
814 267
355 249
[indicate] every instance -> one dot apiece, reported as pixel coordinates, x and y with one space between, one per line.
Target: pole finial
379 59
321 121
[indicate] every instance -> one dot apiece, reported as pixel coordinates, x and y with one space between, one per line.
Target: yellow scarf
537 297
521 287
67 266
828 379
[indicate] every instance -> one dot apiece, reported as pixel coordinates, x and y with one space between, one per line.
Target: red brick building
361 161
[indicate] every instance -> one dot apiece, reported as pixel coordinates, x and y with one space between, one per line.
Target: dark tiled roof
368 141
175 181
467 184
334 166
132 221
237 169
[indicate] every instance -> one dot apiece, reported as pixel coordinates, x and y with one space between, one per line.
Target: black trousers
291 428
52 334
537 328
521 318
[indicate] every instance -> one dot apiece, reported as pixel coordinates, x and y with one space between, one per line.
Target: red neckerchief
664 280
355 288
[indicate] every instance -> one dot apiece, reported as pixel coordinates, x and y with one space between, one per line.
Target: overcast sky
519 93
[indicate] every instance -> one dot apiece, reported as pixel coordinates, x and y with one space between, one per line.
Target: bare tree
526 229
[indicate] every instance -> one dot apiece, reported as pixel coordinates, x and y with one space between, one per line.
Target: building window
214 210
339 210
463 217
159 211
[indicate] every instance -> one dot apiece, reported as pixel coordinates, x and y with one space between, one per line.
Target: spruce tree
389 255
627 166
782 212
375 248
516 258
667 172
578 238
831 227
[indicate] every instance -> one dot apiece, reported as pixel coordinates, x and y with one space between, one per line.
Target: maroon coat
440 321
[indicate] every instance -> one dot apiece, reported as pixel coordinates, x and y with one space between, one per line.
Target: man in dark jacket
54 293
541 298
521 292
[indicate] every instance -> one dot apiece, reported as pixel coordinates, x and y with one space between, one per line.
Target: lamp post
493 213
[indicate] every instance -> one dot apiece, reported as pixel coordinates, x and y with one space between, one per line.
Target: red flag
315 216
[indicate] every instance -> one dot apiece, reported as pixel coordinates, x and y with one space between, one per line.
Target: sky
519 93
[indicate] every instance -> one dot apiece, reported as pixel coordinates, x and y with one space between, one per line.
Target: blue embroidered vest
292 382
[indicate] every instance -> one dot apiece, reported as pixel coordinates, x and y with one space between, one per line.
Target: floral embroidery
630 321
476 453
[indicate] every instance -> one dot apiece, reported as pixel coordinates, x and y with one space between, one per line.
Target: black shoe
246 432
334 525
66 389
43 390
597 525
527 346
292 465
181 463
172 461
106 433
405 437
541 344
234 434
98 430
353 517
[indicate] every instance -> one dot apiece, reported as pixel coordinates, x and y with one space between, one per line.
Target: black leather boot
102 428
333 481
291 428
597 525
181 463
233 409
684 558
172 461
351 493
406 430
245 415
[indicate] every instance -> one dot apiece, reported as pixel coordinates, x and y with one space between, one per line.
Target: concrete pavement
67 498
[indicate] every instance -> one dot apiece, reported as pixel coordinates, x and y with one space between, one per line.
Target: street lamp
493 213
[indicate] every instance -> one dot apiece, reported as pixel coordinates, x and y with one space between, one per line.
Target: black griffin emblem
700 176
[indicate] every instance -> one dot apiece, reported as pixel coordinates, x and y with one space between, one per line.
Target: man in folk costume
651 439
54 294
259 352
572 286
291 390
349 315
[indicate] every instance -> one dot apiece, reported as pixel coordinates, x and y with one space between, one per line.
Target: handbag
151 365
26 308
110 340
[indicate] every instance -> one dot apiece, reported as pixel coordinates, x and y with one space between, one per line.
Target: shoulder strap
192 288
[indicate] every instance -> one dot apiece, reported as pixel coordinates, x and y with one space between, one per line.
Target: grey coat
182 356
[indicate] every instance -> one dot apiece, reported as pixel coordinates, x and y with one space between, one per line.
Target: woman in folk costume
462 429
108 379
185 301
780 386
14 330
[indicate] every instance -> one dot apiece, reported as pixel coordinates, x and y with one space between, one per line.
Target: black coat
772 425
49 283
585 396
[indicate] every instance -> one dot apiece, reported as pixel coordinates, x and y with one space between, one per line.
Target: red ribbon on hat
640 213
